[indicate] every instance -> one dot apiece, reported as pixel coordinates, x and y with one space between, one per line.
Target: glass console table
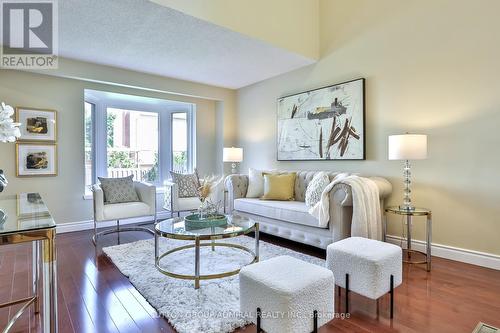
24 218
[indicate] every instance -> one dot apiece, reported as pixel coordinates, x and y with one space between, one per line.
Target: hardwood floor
95 297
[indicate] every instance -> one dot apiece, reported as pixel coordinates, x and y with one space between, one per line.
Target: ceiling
142 36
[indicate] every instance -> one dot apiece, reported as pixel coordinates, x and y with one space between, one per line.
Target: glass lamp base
407 208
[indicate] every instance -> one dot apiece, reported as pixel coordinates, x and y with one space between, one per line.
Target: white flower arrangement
9 130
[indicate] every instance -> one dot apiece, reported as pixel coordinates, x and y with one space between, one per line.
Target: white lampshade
232 155
408 147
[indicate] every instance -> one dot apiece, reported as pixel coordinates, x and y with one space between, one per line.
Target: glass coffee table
175 228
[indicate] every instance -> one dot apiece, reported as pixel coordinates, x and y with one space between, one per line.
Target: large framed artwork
37 124
323 124
36 159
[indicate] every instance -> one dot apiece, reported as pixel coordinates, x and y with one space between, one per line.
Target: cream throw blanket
366 214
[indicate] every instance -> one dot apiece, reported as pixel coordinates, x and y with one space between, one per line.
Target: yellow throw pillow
279 186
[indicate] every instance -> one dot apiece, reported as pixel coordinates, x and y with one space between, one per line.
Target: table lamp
232 155
407 147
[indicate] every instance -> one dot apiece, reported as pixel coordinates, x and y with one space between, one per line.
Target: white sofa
291 219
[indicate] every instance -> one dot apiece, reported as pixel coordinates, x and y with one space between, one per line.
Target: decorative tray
194 221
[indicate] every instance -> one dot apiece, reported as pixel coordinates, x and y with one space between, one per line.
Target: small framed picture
36 159
37 124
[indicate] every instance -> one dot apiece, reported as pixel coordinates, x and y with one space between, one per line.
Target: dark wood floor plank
95 297
21 288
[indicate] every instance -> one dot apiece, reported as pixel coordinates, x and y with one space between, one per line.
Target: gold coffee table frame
198 238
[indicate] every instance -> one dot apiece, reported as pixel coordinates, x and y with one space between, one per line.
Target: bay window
130 135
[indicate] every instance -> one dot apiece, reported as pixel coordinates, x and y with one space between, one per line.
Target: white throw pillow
317 185
255 183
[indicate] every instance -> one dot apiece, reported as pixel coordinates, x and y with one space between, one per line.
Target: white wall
431 67
63 194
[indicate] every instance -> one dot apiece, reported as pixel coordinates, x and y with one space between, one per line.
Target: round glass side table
409 214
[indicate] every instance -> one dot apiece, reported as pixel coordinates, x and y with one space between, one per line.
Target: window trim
165 161
190 139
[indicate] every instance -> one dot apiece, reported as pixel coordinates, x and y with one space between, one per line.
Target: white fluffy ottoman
287 291
368 267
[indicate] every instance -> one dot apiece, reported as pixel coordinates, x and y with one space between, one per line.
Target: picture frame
36 159
37 124
323 124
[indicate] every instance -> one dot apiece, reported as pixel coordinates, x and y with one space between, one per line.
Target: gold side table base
408 260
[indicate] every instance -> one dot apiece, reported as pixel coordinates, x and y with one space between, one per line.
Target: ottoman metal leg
392 296
347 293
315 321
258 319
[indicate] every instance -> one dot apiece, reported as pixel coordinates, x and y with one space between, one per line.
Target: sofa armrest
341 206
341 194
98 202
171 198
147 194
236 187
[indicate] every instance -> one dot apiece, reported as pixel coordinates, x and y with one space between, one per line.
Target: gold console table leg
49 283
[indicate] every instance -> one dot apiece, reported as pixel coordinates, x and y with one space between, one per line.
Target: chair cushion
125 210
288 211
188 184
118 190
188 203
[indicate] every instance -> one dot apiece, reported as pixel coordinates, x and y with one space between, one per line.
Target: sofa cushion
279 187
316 187
304 178
288 211
255 183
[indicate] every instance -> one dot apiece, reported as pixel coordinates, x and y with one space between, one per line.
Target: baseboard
86 225
454 253
443 251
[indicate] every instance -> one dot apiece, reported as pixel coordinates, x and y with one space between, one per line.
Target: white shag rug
214 308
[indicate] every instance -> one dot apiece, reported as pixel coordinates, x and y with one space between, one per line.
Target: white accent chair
174 204
119 211
284 294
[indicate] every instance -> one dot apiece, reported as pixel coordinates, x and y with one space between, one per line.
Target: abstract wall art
323 124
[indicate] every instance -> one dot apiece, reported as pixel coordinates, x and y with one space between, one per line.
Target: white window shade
408 147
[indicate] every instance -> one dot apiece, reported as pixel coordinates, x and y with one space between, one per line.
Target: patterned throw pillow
187 183
118 190
313 192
